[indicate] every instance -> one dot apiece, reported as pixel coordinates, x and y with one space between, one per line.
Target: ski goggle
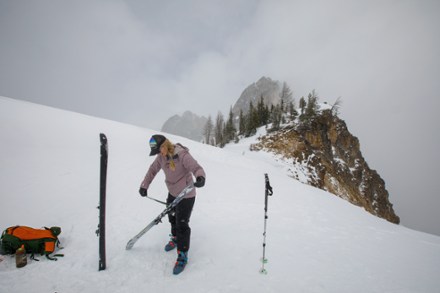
153 143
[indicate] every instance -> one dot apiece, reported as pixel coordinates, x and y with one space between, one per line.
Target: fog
141 62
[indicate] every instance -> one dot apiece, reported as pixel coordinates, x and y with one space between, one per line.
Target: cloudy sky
143 61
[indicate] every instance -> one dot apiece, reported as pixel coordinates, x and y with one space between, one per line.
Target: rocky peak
324 154
264 87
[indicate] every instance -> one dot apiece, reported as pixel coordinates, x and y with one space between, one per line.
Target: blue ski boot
182 260
172 244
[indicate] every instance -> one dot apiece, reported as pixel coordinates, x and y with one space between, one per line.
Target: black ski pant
179 219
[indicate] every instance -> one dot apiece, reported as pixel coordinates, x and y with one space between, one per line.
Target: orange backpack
42 241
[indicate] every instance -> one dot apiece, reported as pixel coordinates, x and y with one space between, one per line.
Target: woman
179 168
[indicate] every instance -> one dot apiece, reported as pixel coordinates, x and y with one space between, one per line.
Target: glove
143 191
200 182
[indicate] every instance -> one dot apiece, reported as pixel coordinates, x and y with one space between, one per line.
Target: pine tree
218 130
312 105
262 112
302 105
336 106
251 121
207 132
276 117
292 111
241 123
286 96
229 130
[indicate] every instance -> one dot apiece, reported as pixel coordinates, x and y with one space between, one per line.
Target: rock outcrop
323 153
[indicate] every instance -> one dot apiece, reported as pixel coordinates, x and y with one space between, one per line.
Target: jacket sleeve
191 164
152 171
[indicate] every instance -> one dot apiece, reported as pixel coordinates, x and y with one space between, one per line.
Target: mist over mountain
188 125
191 125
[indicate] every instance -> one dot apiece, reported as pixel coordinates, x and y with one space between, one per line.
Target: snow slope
316 242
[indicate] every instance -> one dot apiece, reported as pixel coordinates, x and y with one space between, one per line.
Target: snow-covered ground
316 242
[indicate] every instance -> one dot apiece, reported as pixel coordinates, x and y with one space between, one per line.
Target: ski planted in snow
158 219
100 232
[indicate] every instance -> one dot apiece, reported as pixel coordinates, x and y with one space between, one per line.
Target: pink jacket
177 180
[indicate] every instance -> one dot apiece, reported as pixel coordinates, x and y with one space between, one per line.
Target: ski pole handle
269 190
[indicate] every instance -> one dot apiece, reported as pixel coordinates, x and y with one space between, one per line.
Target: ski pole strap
32 257
269 190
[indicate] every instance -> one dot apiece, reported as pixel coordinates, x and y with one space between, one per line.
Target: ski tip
102 137
129 245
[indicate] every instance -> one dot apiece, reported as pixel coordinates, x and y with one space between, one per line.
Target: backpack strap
54 257
32 257
58 243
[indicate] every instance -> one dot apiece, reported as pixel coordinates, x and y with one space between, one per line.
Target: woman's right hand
143 191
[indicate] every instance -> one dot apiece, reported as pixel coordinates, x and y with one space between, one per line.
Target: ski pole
268 192
156 200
